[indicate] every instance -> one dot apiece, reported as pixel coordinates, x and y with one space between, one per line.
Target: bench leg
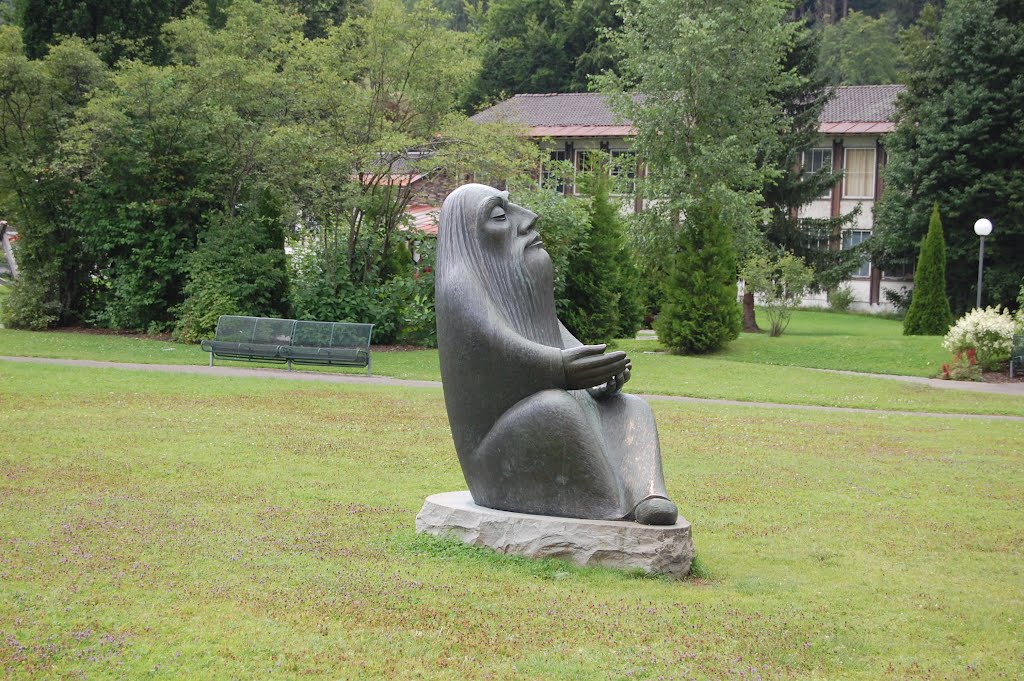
369 366
211 359
289 365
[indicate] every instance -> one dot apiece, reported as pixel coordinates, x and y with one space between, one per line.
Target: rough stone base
666 549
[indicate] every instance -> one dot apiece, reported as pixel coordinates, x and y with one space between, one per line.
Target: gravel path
322 377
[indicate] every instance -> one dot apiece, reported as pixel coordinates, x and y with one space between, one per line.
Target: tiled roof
862 104
425 218
855 109
576 108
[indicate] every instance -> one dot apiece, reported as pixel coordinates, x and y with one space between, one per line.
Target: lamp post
982 228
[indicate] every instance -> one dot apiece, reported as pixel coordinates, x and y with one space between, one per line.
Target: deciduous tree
697 82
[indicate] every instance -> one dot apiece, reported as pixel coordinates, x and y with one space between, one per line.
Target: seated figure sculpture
539 420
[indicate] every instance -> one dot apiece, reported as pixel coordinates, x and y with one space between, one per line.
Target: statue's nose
527 221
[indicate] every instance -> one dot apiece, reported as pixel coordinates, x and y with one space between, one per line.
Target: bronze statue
539 422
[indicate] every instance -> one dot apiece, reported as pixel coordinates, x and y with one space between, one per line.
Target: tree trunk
749 322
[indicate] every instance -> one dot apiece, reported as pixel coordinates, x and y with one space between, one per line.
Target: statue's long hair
524 296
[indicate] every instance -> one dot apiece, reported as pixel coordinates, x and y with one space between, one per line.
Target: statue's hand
613 386
587 366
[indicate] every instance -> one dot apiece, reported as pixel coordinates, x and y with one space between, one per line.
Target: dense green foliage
601 277
960 143
37 100
131 29
133 186
121 28
861 50
929 313
238 268
537 46
901 13
700 313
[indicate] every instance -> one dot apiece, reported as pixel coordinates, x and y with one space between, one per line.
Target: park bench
1017 354
291 341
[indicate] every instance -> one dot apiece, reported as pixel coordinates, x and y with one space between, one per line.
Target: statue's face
510 228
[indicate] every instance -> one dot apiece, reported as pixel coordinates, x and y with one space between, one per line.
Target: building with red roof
852 128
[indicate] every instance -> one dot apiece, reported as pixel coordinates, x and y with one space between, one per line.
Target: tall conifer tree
929 313
700 313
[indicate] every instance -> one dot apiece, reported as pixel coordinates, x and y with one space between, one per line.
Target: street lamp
982 228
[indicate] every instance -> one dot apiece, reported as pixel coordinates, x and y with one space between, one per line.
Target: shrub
989 332
780 283
841 299
31 303
964 367
929 313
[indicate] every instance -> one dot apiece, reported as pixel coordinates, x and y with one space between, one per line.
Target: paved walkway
323 377
1016 388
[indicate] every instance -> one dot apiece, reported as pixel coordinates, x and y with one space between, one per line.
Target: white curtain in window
860 174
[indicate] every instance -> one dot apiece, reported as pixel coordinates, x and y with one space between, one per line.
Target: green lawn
709 377
166 526
414 364
852 342
750 370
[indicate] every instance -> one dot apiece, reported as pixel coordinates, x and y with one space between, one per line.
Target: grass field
852 342
816 339
165 526
750 370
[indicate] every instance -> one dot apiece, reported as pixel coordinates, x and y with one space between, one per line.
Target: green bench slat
355 355
291 340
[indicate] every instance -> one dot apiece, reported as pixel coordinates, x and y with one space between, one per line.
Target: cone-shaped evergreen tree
592 313
600 277
700 312
929 313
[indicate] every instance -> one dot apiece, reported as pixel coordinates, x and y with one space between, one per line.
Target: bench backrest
266 331
273 331
351 335
232 329
331 335
1018 345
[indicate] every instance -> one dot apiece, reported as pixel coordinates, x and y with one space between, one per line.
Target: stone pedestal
666 549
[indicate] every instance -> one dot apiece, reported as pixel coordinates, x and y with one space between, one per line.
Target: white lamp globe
983 227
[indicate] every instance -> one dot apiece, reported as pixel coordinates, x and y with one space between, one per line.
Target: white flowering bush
988 332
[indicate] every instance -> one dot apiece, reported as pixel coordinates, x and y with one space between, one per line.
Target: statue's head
485 236
479 223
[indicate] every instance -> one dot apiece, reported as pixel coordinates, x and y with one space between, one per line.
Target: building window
623 170
584 159
815 160
899 270
859 181
546 171
816 236
852 238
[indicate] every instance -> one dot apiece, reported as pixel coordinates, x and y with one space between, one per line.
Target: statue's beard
522 286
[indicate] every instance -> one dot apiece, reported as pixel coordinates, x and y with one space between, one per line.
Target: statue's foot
656 511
